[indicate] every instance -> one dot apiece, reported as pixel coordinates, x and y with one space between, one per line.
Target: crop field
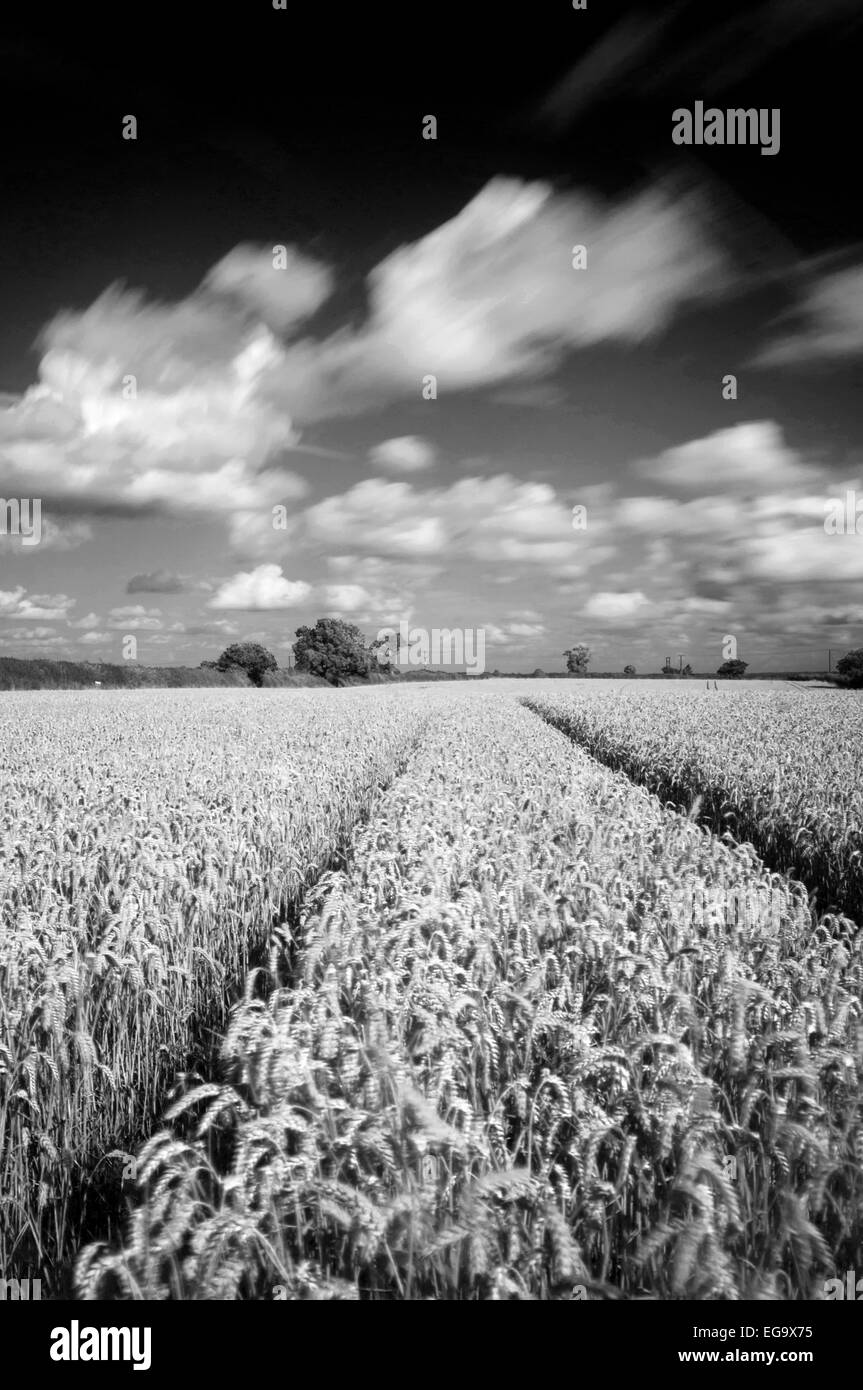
774 766
498 991
135 889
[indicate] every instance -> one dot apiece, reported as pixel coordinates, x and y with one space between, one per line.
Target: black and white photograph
431 670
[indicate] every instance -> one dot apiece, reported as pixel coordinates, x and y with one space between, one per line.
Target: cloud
389 587
745 458
375 515
217 627
704 607
514 636
496 518
376 570
344 598
407 454
492 294
750 525
618 54
16 603
830 326
156 582
366 604
136 618
640 55
35 634
279 294
151 408
33 638
528 631
614 606
191 408
804 554
261 588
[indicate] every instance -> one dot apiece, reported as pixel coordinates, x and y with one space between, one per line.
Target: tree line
339 652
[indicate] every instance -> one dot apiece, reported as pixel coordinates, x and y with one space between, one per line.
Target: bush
291 680
850 668
250 657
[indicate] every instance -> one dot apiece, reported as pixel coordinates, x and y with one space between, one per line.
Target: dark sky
262 116
258 126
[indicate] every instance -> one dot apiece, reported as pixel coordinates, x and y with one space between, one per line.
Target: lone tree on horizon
577 659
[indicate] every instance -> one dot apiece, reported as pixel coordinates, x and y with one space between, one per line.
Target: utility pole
680 661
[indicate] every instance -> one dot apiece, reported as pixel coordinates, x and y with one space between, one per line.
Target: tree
629 670
850 668
687 670
732 670
334 650
577 659
538 672
250 657
668 669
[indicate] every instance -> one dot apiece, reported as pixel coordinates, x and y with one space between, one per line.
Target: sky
283 355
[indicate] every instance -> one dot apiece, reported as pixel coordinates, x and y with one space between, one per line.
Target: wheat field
405 993
135 889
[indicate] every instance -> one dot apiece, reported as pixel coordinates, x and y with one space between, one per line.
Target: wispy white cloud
829 323
492 295
190 408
